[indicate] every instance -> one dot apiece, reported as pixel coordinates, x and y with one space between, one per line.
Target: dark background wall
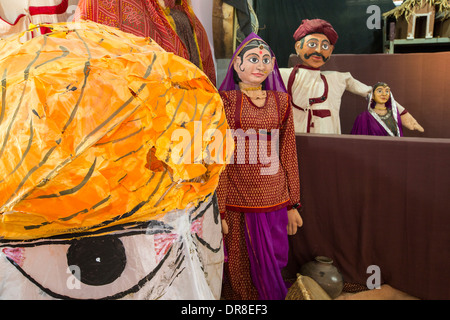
376 201
278 20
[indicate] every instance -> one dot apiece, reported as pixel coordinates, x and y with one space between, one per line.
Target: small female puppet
258 198
382 117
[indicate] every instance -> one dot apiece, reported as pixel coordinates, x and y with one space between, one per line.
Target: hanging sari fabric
149 18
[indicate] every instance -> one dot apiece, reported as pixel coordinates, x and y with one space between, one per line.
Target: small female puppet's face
381 94
314 50
255 66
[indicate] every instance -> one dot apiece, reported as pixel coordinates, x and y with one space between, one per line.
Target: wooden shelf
421 41
390 45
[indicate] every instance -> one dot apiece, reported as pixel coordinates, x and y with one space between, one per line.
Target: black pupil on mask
97 261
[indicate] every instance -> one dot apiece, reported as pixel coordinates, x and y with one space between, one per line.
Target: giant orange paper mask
86 125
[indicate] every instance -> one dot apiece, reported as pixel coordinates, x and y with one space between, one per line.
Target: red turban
316 26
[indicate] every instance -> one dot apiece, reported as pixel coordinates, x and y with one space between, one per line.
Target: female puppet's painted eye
267 61
383 91
253 59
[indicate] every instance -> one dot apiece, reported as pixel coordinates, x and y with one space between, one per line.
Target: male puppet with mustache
316 94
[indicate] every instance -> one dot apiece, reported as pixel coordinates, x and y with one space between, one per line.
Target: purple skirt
267 244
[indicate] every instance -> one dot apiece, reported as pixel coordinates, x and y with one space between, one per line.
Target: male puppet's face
314 50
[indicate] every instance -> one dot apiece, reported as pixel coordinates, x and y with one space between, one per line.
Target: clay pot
325 274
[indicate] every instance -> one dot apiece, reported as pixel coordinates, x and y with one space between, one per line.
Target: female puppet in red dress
259 190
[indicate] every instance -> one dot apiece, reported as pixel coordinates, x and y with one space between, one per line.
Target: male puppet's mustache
307 56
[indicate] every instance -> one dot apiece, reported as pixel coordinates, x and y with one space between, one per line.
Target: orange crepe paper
86 124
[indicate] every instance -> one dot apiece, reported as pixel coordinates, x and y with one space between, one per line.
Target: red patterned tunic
243 188
264 181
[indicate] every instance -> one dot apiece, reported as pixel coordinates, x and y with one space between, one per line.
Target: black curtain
278 21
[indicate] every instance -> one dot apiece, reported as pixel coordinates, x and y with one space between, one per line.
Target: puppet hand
409 122
224 227
294 221
418 127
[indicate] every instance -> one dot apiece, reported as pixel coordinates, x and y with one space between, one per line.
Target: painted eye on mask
140 261
96 267
267 61
253 59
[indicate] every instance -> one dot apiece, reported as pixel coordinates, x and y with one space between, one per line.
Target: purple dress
369 123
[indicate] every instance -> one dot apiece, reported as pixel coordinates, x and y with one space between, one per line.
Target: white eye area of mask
143 261
94 267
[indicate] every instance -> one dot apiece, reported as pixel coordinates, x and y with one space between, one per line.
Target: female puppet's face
255 66
314 50
381 94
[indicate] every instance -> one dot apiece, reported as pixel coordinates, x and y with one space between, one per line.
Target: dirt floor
385 292
305 288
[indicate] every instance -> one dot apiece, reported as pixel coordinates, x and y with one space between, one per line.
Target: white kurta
17 15
323 116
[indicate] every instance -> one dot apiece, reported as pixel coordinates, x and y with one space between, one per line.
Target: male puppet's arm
355 86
